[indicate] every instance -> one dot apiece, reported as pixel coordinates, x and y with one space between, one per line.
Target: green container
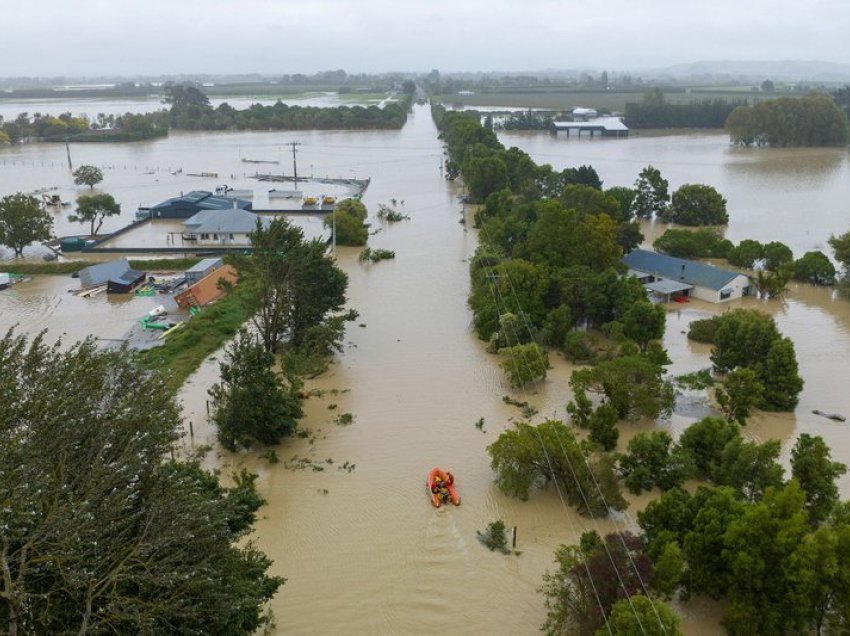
72 244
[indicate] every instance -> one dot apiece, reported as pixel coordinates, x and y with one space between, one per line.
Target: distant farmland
565 99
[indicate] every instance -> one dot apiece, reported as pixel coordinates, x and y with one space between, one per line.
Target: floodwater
91 107
362 549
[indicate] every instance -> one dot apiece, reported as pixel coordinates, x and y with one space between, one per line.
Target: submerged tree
88 175
100 532
589 581
524 363
640 615
696 204
348 221
94 208
527 455
651 194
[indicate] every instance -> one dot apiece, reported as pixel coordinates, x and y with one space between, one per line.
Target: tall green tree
652 459
23 221
485 175
644 322
814 268
763 597
696 204
748 338
88 175
651 194
780 378
813 468
739 392
704 442
101 533
713 510
94 208
294 284
749 467
251 404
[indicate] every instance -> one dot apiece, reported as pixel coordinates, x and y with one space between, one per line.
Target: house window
231 237
725 294
215 237
205 237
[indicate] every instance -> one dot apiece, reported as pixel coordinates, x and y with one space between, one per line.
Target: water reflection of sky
91 107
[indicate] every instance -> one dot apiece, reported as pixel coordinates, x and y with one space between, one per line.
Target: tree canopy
294 284
528 455
88 175
251 404
101 532
94 208
814 120
23 221
651 194
696 204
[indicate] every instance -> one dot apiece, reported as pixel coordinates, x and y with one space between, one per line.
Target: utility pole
68 150
294 164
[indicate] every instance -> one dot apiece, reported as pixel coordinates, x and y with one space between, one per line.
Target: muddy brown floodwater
353 531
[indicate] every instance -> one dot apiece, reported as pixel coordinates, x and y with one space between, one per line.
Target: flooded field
362 549
10 109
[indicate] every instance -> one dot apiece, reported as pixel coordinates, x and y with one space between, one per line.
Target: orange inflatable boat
441 487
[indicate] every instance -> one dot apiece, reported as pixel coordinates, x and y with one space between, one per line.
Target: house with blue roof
187 205
668 277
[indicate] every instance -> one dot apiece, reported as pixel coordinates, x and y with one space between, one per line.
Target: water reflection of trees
804 167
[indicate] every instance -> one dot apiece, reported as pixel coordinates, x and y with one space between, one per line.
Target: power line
560 495
575 478
598 488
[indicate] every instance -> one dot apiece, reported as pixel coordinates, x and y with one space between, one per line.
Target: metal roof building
669 275
605 126
232 221
187 205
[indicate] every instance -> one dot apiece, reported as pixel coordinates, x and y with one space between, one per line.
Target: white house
668 277
228 227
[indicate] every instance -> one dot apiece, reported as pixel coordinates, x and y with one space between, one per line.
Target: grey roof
607 123
130 276
228 221
691 272
202 200
204 265
95 275
667 286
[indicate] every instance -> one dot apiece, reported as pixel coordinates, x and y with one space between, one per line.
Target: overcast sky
99 37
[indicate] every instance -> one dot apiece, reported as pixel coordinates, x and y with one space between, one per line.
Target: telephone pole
294 144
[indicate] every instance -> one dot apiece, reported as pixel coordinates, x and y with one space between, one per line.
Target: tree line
548 274
190 110
814 120
137 542
654 111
